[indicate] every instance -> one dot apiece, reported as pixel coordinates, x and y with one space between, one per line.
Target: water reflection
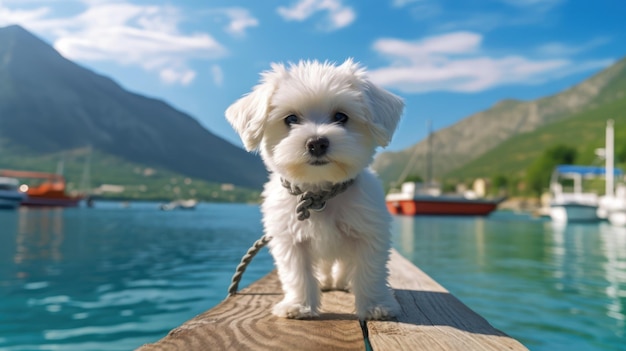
591 259
39 234
553 287
479 233
404 226
614 247
412 232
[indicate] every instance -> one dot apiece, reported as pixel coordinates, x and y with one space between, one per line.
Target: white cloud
218 75
402 3
170 75
562 49
143 35
8 16
455 62
444 16
338 15
453 43
544 4
239 19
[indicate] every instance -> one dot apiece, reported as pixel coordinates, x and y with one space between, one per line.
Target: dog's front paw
380 311
342 286
329 286
288 309
326 284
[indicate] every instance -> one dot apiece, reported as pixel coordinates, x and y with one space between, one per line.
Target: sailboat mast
609 159
85 184
61 165
429 154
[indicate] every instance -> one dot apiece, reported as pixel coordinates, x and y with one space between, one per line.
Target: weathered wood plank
432 319
245 322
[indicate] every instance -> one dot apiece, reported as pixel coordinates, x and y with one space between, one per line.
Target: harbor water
115 277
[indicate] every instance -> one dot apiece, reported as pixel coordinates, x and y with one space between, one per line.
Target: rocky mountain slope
465 141
49 104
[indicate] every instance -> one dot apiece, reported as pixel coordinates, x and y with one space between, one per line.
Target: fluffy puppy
317 126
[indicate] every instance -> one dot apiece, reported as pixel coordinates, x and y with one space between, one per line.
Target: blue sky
448 59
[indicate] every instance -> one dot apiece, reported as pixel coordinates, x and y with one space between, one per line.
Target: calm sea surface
114 278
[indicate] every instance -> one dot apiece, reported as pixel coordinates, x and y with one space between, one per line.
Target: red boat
49 192
415 200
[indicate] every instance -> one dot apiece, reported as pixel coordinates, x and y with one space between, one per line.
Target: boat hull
32 201
50 192
442 207
574 212
10 201
618 218
10 195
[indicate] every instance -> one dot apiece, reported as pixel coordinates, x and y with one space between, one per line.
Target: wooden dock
432 319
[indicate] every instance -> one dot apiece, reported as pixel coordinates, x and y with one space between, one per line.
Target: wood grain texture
432 318
245 322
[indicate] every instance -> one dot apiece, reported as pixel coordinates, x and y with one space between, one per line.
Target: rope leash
316 201
245 260
307 200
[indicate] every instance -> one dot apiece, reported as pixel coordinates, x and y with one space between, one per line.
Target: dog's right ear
248 114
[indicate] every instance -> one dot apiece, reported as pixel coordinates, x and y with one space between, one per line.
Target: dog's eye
291 119
340 118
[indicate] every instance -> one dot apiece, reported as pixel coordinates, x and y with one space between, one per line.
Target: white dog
317 126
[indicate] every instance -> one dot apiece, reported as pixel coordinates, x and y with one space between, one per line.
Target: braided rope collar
313 200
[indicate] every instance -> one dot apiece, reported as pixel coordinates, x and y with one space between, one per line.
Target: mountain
460 144
48 104
584 131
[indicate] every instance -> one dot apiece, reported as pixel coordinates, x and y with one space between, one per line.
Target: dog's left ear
385 109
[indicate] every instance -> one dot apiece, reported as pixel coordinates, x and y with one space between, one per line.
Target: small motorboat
189 204
10 195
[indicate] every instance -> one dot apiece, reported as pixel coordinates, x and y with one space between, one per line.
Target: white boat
613 206
189 204
10 195
574 205
613 203
419 199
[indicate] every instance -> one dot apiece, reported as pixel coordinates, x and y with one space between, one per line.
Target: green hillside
504 139
585 131
139 182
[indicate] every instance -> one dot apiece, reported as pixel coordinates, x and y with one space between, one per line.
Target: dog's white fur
345 246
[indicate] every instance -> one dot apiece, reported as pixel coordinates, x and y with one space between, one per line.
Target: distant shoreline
521 204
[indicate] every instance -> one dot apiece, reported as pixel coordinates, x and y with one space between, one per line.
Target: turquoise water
113 278
551 287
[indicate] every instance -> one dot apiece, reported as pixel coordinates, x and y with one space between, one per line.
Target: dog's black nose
317 146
